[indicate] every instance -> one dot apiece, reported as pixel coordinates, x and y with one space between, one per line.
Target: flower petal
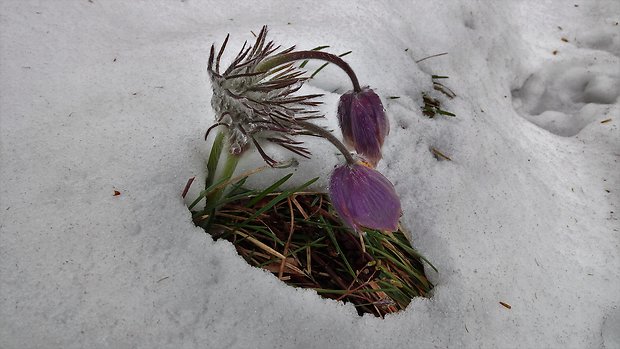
363 197
363 123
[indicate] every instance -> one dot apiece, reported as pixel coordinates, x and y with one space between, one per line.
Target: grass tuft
296 235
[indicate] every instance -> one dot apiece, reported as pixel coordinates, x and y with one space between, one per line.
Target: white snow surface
98 96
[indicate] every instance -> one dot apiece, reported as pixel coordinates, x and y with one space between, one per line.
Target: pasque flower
255 98
363 123
363 197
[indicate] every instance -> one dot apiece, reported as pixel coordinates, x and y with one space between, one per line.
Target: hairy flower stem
318 130
303 55
227 171
214 158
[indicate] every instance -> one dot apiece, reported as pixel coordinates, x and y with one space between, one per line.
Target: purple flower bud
363 197
363 123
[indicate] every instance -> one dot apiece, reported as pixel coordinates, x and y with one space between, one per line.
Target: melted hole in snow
300 241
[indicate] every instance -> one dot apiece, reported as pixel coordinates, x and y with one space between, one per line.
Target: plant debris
432 106
296 235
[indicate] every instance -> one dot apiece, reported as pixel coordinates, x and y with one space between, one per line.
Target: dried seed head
251 101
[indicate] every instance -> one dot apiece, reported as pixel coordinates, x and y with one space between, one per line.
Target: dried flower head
255 95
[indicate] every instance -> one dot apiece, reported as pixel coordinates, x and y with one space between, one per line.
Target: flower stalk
280 59
321 132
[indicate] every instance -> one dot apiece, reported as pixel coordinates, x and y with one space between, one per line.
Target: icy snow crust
103 95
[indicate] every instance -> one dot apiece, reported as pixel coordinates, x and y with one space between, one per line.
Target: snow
97 96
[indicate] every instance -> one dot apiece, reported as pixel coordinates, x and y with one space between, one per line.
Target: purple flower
363 197
363 123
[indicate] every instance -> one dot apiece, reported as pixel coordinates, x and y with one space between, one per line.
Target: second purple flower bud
364 198
363 123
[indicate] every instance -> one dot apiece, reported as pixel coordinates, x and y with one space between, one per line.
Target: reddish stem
303 55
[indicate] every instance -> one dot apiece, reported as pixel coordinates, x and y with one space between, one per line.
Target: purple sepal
363 197
363 123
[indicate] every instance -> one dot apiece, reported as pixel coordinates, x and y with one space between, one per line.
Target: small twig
506 305
261 245
288 240
309 260
239 177
189 184
301 209
439 154
362 243
382 295
444 89
433 56
330 271
350 291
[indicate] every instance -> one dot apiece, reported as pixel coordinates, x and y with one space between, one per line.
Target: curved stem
330 137
302 55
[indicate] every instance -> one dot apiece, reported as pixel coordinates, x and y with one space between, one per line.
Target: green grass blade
332 237
276 200
214 158
411 251
206 192
443 112
269 190
411 271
